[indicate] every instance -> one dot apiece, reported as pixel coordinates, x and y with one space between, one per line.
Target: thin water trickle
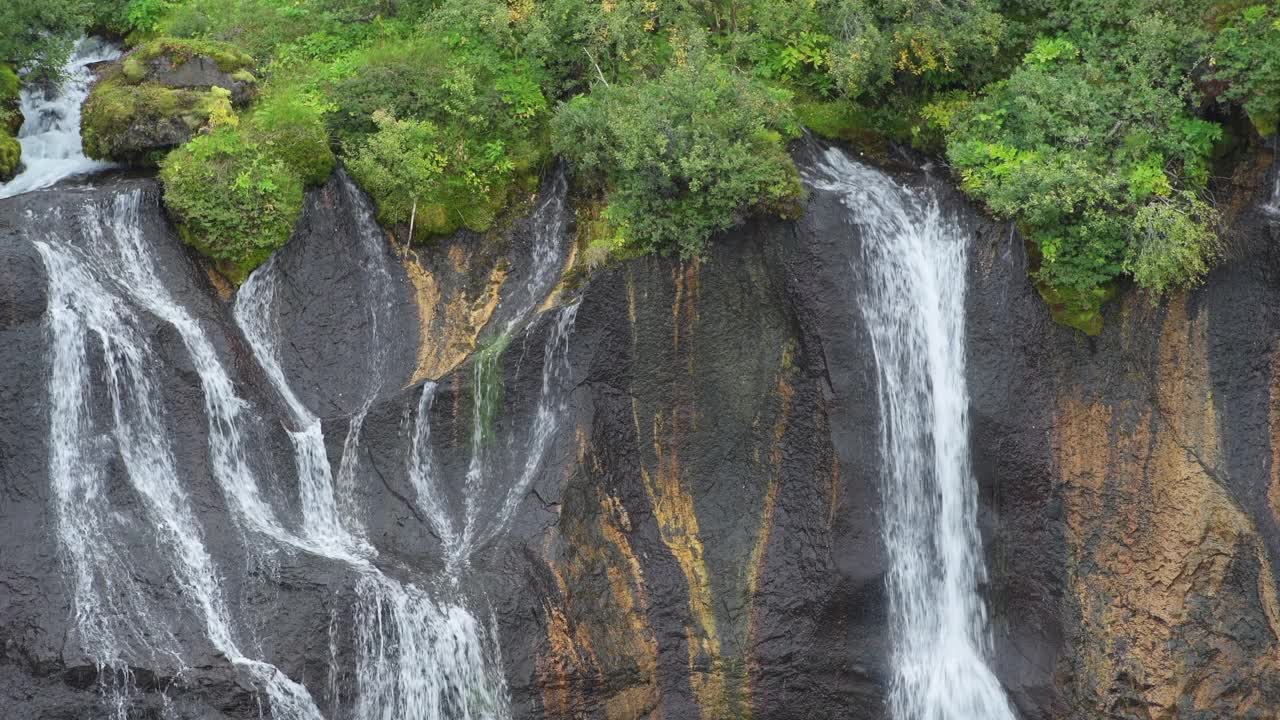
914 262
50 134
1273 205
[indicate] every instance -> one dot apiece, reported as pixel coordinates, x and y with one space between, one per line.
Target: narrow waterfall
1272 206
50 134
507 475
914 309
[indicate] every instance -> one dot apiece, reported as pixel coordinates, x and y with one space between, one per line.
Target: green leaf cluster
684 155
440 132
236 192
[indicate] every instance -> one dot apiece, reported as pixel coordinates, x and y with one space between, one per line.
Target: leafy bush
38 34
264 29
1103 174
287 125
232 201
882 43
682 156
1246 54
448 129
236 192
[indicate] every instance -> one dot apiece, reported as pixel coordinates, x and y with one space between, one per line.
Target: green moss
10 155
233 201
486 390
10 109
228 58
1079 309
120 120
10 85
1265 122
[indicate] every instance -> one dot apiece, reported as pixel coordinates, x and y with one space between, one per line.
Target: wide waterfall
913 304
50 135
420 650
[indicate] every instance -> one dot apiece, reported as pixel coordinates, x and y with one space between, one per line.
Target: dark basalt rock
704 539
198 72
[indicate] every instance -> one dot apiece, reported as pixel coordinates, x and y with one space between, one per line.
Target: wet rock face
1142 457
703 540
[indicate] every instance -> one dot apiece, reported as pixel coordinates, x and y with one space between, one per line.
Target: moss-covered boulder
160 95
10 156
192 64
10 102
10 123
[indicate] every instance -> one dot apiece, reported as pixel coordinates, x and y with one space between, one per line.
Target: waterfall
50 134
548 225
487 472
1272 207
89 304
418 656
421 656
914 261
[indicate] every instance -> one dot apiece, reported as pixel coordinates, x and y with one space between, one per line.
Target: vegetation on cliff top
1091 124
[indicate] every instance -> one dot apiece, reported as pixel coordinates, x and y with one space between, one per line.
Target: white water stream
914 259
50 134
420 654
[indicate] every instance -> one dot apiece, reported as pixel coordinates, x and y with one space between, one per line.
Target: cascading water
88 302
50 134
914 310
418 657
1273 205
462 538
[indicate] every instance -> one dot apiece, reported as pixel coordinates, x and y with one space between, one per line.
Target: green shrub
451 129
39 34
1246 54
1102 166
236 192
231 200
286 126
682 156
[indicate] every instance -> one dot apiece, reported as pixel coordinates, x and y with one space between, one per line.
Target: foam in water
914 309
50 134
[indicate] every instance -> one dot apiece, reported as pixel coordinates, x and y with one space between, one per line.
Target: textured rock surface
704 539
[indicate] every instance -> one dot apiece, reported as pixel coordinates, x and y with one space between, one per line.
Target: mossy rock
133 123
1078 309
10 155
192 65
10 100
177 51
1266 123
